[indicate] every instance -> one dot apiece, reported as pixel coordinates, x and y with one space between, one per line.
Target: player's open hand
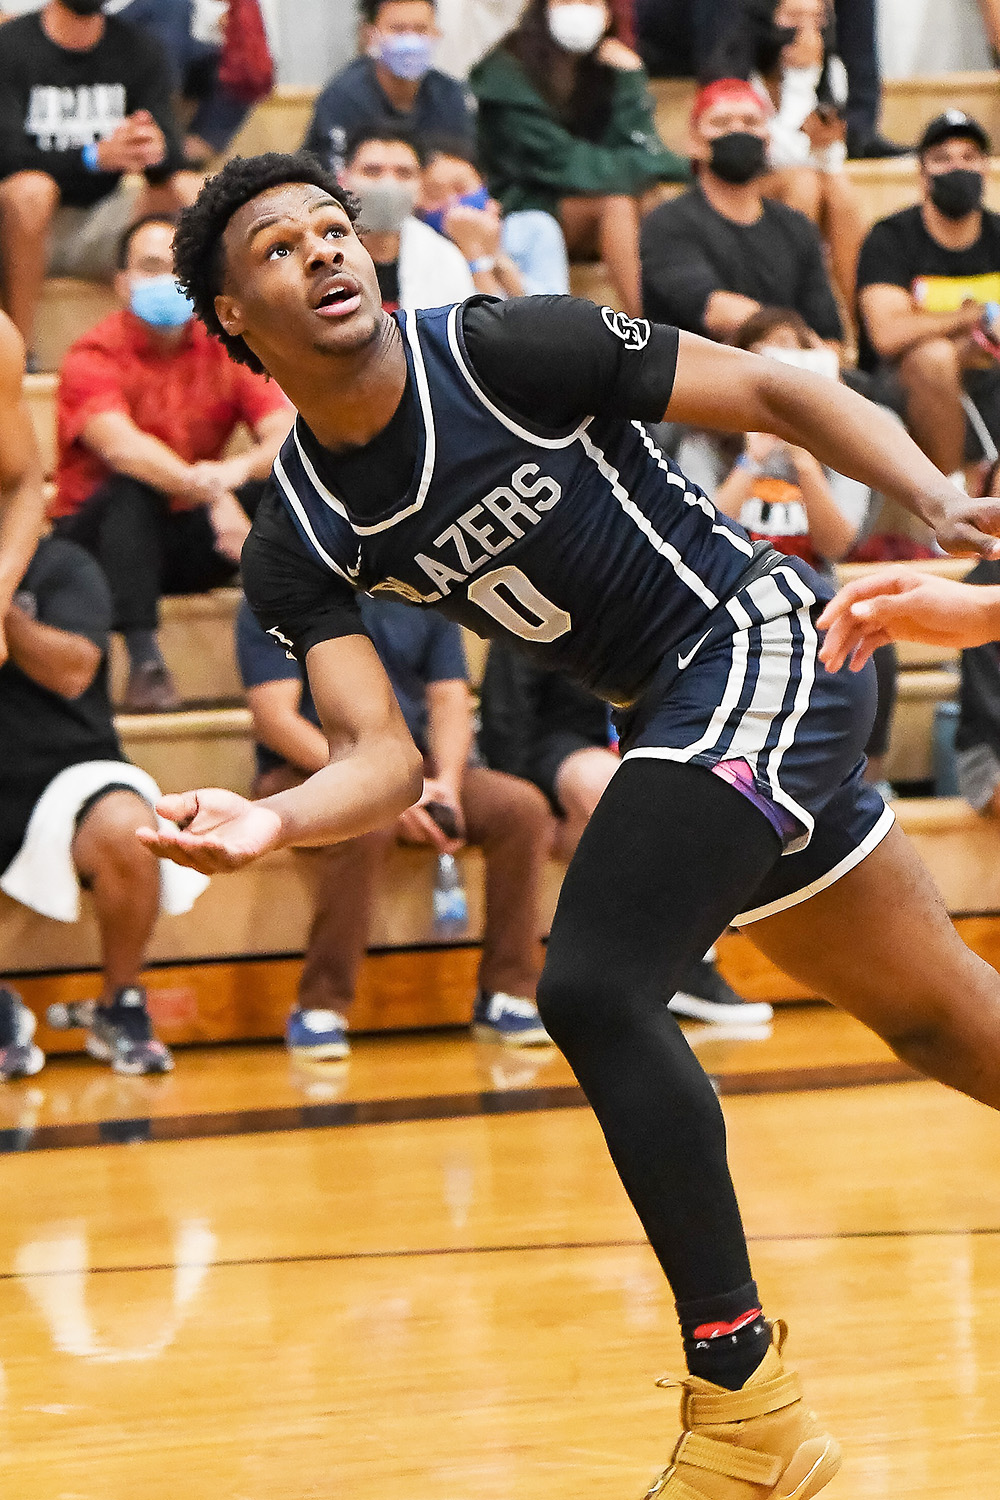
216 830
971 526
902 604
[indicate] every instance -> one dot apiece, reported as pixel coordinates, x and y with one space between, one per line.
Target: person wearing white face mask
147 404
566 125
394 81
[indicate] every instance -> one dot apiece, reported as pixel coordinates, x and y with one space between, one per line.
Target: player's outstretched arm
739 392
375 772
902 604
22 499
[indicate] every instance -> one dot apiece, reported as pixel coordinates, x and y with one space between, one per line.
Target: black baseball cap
953 122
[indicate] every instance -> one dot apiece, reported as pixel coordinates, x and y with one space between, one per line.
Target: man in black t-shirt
720 251
55 715
928 289
85 100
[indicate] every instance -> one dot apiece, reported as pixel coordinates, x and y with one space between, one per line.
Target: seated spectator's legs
509 820
611 227
345 877
28 202
580 783
535 243
931 375
828 199
123 878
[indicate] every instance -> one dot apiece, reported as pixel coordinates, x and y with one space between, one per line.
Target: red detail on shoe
723 1330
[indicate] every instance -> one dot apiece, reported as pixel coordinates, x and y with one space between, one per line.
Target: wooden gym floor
416 1275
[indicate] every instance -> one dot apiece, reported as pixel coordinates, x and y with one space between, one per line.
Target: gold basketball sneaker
758 1443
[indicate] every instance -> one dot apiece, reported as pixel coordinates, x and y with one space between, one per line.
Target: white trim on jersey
508 422
628 505
700 502
430 452
299 509
846 865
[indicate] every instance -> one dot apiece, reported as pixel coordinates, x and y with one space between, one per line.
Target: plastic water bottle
451 908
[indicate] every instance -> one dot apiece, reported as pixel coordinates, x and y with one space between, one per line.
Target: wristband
483 263
89 154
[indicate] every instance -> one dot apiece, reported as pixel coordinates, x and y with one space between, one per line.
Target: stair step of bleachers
195 747
40 396
67 309
278 123
198 643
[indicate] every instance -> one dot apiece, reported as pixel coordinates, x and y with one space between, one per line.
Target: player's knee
576 996
29 199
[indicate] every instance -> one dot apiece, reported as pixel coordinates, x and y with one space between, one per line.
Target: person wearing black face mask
85 100
928 285
720 251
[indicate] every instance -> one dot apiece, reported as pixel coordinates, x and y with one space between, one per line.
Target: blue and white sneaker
319 1034
510 1019
19 1056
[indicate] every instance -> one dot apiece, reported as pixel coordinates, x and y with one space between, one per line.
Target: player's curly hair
198 262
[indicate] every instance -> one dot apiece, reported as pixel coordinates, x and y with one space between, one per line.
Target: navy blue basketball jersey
587 547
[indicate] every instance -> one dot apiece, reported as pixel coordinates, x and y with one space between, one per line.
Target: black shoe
122 1034
874 147
705 996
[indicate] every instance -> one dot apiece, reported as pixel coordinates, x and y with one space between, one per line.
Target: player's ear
229 314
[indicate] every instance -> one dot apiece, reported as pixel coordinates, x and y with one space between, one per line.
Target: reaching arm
22 503
738 392
278 724
903 604
374 772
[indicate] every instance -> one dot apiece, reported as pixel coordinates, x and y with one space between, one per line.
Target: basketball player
903 604
22 495
489 460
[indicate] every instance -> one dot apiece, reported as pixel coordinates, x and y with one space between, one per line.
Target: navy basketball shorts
756 704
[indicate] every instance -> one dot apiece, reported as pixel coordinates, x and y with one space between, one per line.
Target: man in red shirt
147 404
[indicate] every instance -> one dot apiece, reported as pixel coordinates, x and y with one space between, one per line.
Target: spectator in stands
453 199
720 251
425 659
977 738
784 48
85 102
70 805
22 500
543 726
928 289
394 80
566 125
147 404
417 266
192 35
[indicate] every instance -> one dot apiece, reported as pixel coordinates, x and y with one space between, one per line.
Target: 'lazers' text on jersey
589 547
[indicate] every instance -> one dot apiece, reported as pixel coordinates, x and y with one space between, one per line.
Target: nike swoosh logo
685 661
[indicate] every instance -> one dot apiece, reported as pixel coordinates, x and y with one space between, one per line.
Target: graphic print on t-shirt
61 119
949 293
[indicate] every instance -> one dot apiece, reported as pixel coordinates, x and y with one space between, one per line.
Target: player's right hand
902 604
216 830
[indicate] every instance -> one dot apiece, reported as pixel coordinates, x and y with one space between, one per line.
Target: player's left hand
971 527
216 830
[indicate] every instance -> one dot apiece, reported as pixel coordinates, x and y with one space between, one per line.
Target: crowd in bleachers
547 156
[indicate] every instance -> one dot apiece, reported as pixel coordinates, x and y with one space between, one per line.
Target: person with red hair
722 250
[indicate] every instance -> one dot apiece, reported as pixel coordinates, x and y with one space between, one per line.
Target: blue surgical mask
159 301
435 217
407 54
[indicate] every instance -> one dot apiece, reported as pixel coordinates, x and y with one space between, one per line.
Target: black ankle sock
725 1337
143 648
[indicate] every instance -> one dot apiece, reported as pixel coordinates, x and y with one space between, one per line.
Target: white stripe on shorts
845 866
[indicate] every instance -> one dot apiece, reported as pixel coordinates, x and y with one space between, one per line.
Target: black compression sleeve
555 360
290 591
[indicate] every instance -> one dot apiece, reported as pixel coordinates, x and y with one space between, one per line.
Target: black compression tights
669 857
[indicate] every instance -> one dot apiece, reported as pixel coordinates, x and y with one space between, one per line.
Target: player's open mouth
340 298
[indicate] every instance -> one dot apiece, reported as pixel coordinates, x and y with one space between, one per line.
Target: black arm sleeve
556 360
289 591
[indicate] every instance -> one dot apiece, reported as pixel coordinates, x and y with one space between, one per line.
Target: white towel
42 874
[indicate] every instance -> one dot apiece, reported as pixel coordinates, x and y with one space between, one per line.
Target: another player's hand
216 830
902 604
970 526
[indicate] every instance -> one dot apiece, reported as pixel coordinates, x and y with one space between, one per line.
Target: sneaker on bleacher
319 1034
19 1056
511 1019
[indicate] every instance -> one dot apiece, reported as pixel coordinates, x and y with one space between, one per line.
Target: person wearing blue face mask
394 81
147 405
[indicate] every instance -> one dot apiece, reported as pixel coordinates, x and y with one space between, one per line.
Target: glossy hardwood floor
449 1308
